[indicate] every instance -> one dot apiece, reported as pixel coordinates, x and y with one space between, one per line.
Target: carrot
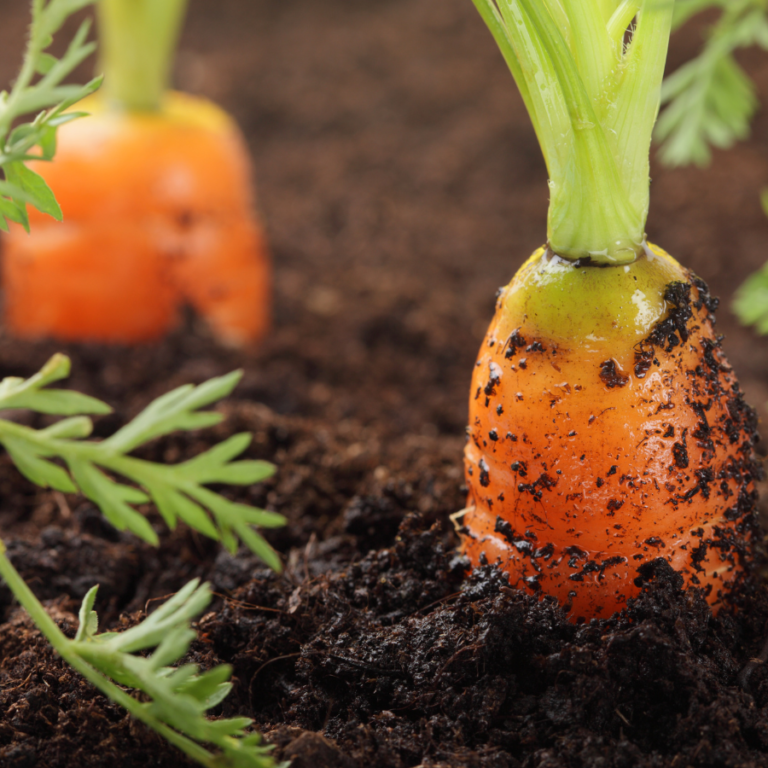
606 428
155 188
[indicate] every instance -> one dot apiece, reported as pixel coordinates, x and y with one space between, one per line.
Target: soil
401 184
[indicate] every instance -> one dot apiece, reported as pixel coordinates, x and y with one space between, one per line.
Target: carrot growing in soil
156 191
606 428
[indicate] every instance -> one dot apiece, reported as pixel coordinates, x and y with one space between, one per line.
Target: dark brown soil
401 184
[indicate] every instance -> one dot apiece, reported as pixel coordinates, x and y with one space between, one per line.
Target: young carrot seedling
606 428
157 194
178 490
175 700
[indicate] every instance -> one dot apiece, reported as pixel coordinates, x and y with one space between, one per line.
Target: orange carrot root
585 461
158 211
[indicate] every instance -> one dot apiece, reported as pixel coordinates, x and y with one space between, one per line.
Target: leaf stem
66 649
621 18
138 43
31 56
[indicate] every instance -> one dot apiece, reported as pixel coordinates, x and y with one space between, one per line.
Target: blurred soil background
401 184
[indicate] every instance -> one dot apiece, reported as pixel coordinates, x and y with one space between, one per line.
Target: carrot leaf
173 700
710 100
39 90
751 301
179 491
31 393
38 192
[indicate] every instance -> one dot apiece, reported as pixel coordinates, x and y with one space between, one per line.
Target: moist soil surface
400 185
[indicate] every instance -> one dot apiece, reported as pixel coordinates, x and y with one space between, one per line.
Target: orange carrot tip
156 193
606 428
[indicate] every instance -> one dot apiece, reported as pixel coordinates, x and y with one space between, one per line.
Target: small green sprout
175 699
178 698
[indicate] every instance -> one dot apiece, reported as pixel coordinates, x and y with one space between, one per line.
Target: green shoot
710 100
38 89
138 41
593 100
178 490
174 699
751 302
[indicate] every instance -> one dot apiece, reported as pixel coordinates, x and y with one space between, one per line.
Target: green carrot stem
138 41
66 649
593 99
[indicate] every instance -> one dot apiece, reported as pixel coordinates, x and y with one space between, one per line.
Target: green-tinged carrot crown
137 45
590 74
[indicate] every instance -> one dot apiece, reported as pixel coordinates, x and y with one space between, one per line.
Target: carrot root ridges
587 459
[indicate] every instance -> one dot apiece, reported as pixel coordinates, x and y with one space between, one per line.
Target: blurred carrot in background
156 193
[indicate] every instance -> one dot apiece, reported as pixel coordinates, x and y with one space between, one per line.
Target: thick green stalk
137 43
593 101
606 8
638 99
621 18
66 649
590 215
592 54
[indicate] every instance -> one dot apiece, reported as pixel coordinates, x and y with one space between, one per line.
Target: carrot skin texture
158 211
586 459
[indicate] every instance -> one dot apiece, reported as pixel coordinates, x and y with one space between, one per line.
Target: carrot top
590 74
137 45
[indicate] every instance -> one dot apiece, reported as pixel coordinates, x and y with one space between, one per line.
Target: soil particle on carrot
611 376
